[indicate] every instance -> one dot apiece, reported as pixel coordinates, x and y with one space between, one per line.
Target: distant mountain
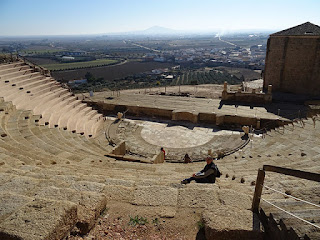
152 31
157 30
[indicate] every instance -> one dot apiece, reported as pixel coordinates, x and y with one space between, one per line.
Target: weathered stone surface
117 192
155 196
88 186
167 212
198 196
10 202
226 222
89 204
40 220
232 198
120 182
5 177
20 185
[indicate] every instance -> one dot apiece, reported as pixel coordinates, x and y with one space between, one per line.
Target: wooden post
258 191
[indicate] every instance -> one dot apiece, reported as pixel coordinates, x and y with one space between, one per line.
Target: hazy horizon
98 17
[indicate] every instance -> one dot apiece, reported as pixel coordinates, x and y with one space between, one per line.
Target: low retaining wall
247 97
185 116
194 117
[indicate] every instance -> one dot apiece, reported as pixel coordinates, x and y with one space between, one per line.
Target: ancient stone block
155 196
40 220
198 196
89 204
10 202
227 222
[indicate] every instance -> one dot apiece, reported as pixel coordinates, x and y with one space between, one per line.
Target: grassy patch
75 65
137 220
200 224
155 221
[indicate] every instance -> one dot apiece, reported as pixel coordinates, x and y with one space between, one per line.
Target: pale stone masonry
293 60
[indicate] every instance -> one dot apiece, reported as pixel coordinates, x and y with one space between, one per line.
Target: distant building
169 77
77 82
293 60
159 59
67 58
74 53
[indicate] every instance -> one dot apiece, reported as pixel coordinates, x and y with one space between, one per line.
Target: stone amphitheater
59 175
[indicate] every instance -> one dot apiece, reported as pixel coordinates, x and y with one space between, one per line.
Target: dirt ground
203 91
115 223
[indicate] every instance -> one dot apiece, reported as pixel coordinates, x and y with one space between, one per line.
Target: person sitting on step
164 153
206 175
187 159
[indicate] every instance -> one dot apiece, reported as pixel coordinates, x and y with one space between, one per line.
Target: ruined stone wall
293 64
194 117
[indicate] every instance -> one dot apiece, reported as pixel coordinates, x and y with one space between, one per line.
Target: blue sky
67 17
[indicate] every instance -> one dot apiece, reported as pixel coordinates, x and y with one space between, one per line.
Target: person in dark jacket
187 159
206 175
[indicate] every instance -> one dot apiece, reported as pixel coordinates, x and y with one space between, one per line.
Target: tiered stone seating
31 90
296 147
53 181
44 183
88 183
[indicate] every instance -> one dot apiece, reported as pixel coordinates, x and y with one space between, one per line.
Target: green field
206 77
41 51
75 65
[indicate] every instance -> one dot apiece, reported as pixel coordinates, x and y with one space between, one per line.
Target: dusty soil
205 91
114 223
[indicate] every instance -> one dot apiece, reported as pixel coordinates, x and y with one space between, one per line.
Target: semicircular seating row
24 142
30 90
131 133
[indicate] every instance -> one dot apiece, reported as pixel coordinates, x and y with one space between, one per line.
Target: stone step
12 74
229 223
22 76
89 204
11 65
16 69
39 220
51 138
40 97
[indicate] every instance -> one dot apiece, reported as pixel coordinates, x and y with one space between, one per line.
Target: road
139 45
227 42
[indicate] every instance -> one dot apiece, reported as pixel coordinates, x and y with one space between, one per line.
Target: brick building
293 60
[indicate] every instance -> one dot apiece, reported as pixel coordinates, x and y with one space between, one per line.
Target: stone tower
293 60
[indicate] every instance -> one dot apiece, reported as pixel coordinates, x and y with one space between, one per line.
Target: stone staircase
30 90
294 146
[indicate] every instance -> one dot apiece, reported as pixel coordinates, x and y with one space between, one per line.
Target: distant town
121 62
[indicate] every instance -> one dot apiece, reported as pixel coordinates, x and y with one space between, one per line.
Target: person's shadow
201 234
